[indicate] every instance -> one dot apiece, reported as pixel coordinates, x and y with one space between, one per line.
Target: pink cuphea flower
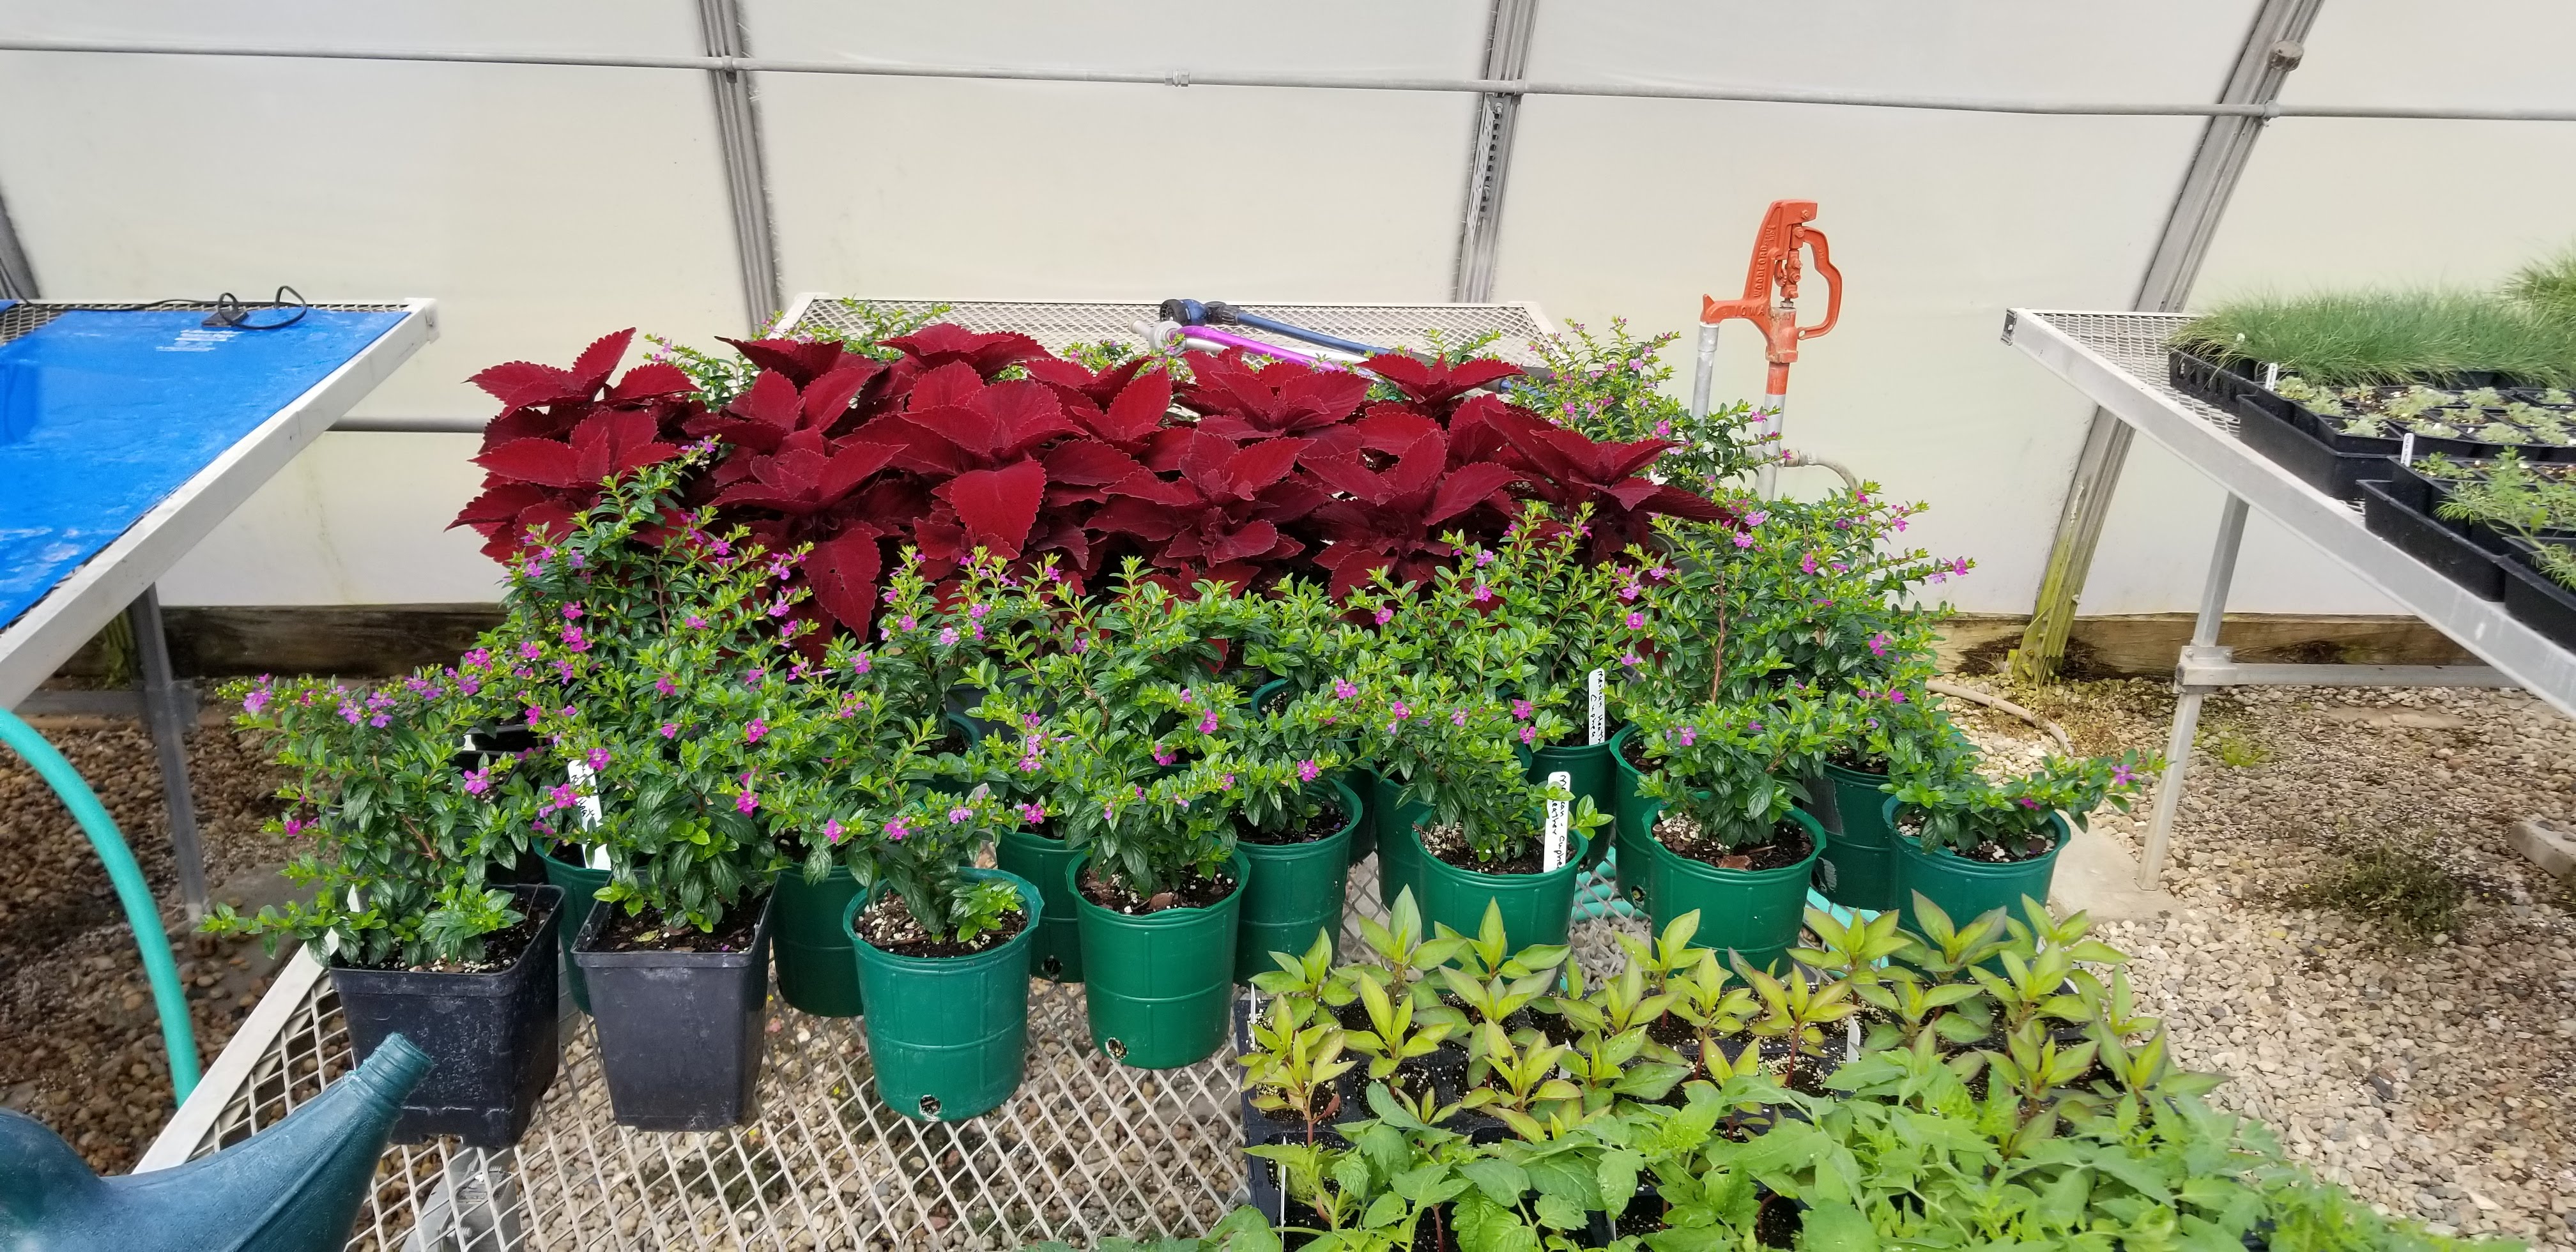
1808 565
1307 771
1344 689
1529 735
663 685
1636 621
2122 775
959 814
1482 594
1744 540
598 759
1384 616
1033 813
1207 724
476 783
1632 660
1687 735
746 802
670 729
695 622
1483 558
1161 757
1522 710
860 664
896 830
832 829
255 701
572 611
753 732
1458 717
1878 644
530 650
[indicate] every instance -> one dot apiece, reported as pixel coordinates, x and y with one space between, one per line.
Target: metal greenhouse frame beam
746 168
2273 47
1507 43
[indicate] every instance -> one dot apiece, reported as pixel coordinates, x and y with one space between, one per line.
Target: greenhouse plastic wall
544 205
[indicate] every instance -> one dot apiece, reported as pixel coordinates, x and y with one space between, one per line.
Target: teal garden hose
131 891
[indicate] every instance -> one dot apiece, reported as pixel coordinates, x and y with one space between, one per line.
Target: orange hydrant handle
1824 264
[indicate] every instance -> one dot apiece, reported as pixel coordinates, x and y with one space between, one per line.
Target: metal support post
2272 48
1767 425
2186 723
746 172
1704 373
163 708
1507 40
17 277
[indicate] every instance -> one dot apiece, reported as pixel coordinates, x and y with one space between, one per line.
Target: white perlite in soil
2436 1078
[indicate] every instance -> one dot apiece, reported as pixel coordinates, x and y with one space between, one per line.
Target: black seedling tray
2232 386
2535 600
2386 510
2310 459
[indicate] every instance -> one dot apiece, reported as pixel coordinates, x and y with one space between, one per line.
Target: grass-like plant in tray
2392 336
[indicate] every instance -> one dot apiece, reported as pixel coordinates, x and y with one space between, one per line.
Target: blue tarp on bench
103 414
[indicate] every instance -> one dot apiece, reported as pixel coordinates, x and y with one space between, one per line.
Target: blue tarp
103 414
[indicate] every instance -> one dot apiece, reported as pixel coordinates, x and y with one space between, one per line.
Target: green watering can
294 1187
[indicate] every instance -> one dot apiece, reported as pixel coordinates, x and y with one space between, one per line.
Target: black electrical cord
233 313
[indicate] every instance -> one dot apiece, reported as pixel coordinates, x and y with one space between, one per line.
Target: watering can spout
294 1187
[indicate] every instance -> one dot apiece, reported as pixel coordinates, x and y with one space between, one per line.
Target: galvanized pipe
1189 78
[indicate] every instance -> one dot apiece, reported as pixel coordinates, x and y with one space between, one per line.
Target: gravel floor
80 1045
2437 1078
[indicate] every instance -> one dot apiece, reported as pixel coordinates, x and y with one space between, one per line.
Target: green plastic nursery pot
1589 773
1537 908
1362 783
1160 984
1862 868
1056 952
814 969
580 887
1397 855
1754 913
1966 889
1296 889
949 1037
1632 822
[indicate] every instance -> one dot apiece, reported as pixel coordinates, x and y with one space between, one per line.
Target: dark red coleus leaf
843 572
1433 385
944 343
997 507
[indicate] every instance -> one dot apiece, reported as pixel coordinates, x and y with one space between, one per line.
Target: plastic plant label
1560 818
2406 450
1599 682
579 775
2271 376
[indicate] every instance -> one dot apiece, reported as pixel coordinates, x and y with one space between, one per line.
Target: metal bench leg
163 706
2186 723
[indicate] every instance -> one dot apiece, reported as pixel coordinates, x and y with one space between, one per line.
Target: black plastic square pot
680 1033
2418 535
491 1037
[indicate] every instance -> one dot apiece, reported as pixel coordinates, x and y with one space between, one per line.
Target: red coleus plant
562 431
1240 473
1570 471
